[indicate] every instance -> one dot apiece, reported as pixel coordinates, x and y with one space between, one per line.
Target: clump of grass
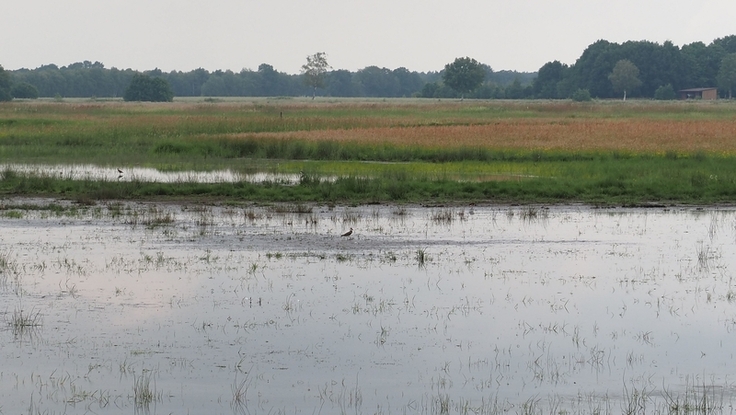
442 216
239 403
298 208
422 258
704 256
22 322
696 400
529 214
252 215
13 214
276 255
400 211
350 216
144 390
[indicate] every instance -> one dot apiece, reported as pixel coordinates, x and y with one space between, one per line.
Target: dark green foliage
5 94
581 95
464 75
665 92
548 78
24 90
145 88
727 74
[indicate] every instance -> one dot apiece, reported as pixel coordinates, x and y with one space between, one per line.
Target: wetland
505 257
160 308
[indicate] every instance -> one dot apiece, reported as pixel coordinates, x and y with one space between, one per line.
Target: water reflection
144 174
269 309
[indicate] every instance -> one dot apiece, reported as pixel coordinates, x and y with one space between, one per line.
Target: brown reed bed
631 135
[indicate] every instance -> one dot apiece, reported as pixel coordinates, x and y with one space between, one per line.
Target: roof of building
697 89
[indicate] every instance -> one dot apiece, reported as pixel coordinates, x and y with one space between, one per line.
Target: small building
699 93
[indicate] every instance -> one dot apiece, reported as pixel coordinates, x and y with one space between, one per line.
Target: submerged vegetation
380 151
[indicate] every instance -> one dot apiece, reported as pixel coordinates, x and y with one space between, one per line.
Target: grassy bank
405 151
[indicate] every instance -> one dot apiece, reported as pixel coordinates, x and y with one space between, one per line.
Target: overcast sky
421 35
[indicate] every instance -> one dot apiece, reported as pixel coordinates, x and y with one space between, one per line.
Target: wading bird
348 233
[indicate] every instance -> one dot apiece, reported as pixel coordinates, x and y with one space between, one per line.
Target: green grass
203 136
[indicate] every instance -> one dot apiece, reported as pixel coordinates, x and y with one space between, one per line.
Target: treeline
92 79
692 66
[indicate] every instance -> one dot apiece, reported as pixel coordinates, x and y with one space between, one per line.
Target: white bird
348 233
120 171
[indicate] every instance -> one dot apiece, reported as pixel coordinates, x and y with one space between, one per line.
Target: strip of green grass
627 181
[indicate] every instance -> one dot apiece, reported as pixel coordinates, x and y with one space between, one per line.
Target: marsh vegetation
175 307
372 151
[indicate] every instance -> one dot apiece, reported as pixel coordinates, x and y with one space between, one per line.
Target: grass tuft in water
22 323
144 390
422 258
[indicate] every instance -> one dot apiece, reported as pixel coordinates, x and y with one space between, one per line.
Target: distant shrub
664 92
581 95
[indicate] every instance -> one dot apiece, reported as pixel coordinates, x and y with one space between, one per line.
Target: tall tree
4 85
625 77
145 88
727 74
549 75
464 75
314 71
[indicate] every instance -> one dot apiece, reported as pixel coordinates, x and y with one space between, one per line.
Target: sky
420 35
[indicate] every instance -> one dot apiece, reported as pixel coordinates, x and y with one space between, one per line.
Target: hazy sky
421 35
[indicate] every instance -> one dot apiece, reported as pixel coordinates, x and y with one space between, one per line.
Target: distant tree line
659 69
92 79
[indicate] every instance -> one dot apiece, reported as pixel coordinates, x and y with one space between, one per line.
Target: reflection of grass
442 216
144 392
422 258
239 403
21 322
704 256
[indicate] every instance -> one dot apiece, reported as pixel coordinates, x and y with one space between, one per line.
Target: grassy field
377 151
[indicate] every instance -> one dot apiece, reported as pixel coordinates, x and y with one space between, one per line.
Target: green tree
24 90
549 75
464 75
314 71
145 88
377 82
340 84
4 85
625 77
665 92
727 74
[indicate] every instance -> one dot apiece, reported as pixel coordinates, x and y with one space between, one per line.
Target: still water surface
421 310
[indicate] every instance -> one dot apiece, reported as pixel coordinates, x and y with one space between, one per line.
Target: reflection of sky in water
570 302
144 174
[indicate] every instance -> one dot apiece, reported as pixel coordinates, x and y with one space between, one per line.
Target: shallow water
260 310
145 174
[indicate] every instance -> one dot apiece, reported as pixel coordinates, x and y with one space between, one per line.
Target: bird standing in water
348 233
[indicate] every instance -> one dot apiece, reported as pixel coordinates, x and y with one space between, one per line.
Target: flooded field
166 308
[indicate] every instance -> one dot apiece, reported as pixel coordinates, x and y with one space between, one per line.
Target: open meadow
358 151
